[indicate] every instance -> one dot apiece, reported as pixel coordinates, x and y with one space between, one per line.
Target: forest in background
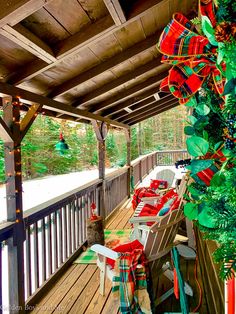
39 157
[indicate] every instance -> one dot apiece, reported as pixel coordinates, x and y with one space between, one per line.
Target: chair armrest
143 219
105 251
143 227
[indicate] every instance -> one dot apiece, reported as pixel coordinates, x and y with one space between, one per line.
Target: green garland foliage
212 133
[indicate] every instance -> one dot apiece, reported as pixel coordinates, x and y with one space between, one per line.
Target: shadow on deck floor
77 291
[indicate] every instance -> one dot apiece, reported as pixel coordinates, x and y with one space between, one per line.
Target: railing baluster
49 245
36 256
69 228
73 226
64 233
60 244
55 250
28 263
43 246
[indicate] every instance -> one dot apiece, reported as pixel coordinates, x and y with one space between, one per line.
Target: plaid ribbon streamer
131 284
192 56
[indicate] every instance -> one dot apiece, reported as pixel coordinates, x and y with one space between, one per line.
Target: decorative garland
203 77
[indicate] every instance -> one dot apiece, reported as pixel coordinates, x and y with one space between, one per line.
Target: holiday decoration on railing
61 146
93 213
203 77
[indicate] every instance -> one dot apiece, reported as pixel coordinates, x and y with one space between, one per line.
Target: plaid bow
192 56
131 284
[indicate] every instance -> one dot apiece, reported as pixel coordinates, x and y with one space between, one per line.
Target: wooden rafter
138 89
152 114
116 11
6 89
143 69
147 109
71 46
104 66
142 106
27 40
14 11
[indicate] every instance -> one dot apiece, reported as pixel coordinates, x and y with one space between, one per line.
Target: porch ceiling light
156 96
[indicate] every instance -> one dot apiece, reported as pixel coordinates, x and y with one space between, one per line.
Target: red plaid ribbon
192 56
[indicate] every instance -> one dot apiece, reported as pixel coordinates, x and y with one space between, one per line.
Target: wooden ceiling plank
151 107
152 114
101 68
14 11
142 105
5 132
73 45
48 103
148 84
134 100
116 11
121 80
125 112
27 40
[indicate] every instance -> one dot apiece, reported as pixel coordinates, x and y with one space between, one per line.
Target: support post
128 163
139 139
101 132
12 149
12 131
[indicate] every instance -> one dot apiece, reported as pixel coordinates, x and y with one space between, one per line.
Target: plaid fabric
192 56
207 9
131 284
178 40
112 239
204 177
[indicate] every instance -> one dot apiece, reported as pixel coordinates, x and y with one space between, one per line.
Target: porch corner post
101 132
12 151
128 162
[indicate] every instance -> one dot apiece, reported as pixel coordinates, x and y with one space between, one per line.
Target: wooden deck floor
76 292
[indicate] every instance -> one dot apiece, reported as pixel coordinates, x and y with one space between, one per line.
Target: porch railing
55 231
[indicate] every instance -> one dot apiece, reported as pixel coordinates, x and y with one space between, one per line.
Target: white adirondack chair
143 220
160 238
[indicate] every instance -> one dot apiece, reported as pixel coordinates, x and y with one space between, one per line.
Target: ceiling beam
135 96
138 72
116 11
75 43
48 103
153 81
27 40
147 109
137 105
14 11
152 114
104 66
142 106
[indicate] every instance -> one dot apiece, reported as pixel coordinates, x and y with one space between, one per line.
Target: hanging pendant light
61 146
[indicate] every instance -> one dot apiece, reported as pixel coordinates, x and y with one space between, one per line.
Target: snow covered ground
40 190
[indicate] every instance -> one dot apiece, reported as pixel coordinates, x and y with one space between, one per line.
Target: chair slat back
162 234
166 175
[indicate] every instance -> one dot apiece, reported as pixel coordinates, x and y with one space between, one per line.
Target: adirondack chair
160 239
136 221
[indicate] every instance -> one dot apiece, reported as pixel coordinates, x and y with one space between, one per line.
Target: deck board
77 291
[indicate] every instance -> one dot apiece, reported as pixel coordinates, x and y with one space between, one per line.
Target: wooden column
139 139
12 131
128 162
101 132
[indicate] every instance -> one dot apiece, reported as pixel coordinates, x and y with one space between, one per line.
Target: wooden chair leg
102 275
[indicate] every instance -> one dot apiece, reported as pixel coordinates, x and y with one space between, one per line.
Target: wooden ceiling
87 59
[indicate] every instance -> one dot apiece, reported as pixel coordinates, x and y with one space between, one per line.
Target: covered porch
94 62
